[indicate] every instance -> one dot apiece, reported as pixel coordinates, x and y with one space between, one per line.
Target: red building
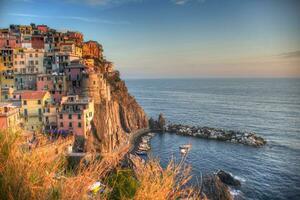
9 40
42 28
37 42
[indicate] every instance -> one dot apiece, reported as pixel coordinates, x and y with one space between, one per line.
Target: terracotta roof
33 94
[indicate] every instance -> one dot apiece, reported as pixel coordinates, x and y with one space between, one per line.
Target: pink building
55 83
75 115
42 28
75 73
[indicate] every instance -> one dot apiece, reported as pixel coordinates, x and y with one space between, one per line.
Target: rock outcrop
159 124
228 179
247 138
215 189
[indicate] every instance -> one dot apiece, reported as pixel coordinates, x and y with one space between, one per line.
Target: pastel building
58 61
50 118
75 73
32 106
7 75
34 60
75 115
9 116
25 81
55 83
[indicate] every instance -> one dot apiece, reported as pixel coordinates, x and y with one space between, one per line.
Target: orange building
9 116
92 49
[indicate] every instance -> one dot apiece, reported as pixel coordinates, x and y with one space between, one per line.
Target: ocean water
269 107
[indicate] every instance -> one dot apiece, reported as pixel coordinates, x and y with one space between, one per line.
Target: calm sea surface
269 107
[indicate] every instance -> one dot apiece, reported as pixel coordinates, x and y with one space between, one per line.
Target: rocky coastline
246 138
239 137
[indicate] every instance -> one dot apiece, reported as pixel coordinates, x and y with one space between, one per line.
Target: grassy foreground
43 173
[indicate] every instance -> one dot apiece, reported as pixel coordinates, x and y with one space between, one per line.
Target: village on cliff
50 80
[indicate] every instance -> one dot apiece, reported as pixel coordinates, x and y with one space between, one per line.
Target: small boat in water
139 152
185 148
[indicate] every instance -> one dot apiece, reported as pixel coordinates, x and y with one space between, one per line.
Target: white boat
185 148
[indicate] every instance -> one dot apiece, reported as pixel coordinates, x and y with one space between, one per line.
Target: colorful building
9 116
42 28
37 41
75 115
32 106
26 81
55 83
9 40
7 74
50 118
92 49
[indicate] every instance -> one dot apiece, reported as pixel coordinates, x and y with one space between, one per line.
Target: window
30 55
70 116
79 116
60 116
36 55
39 102
79 124
21 55
36 62
61 124
25 112
40 111
70 124
25 102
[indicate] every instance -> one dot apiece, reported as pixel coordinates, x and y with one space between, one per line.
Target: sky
178 38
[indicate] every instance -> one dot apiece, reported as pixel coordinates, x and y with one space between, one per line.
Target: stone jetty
247 138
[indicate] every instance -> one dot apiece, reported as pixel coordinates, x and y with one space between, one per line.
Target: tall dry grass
160 184
42 173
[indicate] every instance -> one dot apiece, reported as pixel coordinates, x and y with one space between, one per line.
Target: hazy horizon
178 38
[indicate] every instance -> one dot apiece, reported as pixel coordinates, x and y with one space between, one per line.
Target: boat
185 148
144 140
141 152
151 134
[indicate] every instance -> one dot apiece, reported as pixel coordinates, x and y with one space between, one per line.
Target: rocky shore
247 138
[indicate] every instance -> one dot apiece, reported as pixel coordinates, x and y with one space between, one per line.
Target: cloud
83 19
292 54
183 2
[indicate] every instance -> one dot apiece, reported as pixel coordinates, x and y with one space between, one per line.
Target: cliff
117 114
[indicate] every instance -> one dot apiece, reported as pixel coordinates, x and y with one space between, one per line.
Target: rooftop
33 94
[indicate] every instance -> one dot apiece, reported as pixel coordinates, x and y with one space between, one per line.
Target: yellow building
32 106
9 116
78 51
25 30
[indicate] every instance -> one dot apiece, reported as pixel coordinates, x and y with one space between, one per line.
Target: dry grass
42 173
160 184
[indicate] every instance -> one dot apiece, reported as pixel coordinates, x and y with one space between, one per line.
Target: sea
268 107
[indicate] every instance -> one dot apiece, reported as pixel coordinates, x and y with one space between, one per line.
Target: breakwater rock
247 138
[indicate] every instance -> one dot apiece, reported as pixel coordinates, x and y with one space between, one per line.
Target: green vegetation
124 184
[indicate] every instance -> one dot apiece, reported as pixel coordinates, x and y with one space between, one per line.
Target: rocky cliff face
117 114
